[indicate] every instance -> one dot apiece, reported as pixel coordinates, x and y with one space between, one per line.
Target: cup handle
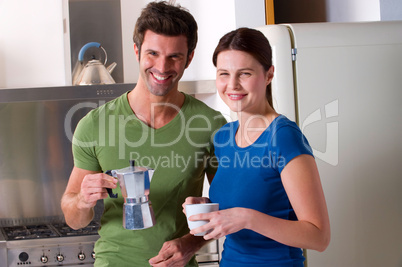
109 190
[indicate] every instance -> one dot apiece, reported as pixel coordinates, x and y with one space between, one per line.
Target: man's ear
190 58
137 52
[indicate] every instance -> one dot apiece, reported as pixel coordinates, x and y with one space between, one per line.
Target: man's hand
177 252
83 190
93 188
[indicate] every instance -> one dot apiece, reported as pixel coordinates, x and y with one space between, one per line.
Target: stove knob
60 258
93 254
81 256
44 259
23 256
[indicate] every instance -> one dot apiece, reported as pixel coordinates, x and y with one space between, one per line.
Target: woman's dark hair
166 19
252 42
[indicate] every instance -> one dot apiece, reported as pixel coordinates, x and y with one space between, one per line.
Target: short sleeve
84 143
287 143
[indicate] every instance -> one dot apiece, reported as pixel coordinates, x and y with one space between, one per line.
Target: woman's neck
252 125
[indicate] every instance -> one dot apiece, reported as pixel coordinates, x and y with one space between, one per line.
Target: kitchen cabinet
32 43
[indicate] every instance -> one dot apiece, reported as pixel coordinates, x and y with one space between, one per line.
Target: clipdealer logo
107 136
331 153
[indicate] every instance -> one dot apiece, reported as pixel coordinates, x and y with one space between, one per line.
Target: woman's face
241 81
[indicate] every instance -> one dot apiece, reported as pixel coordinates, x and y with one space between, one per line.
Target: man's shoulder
112 105
102 111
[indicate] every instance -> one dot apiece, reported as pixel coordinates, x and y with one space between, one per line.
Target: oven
48 245
59 245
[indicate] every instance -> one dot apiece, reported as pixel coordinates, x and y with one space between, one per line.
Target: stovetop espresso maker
134 184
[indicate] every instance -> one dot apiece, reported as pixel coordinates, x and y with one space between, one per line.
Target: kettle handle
109 190
84 49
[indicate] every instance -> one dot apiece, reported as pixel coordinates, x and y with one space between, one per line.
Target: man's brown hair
168 19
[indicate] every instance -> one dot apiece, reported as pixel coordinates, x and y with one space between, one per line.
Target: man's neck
155 111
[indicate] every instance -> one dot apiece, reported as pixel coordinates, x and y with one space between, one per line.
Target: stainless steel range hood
35 147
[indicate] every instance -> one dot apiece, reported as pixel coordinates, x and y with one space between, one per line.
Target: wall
391 9
349 11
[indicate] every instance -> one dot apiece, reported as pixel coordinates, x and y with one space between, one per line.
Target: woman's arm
302 184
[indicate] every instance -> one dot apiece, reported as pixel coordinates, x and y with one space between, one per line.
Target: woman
267 184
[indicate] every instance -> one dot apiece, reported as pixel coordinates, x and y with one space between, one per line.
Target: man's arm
83 190
178 252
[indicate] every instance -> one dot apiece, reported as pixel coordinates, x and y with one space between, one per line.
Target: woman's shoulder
283 123
286 135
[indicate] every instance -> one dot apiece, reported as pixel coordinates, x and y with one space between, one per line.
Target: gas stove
48 245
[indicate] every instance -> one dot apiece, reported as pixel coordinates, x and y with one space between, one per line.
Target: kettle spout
111 67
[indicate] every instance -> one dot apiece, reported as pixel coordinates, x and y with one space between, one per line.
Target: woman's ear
270 74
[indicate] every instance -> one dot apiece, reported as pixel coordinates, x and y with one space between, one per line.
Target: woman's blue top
249 177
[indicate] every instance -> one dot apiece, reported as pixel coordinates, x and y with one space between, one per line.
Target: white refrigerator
342 83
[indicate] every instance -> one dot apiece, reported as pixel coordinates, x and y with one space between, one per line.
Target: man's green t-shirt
180 152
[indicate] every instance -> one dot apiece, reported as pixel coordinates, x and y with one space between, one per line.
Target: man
157 126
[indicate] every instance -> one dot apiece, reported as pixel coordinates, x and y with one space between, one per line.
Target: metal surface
71 250
80 93
35 147
50 251
47 245
210 253
97 21
134 183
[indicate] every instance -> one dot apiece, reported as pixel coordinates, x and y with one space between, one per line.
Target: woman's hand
194 200
223 222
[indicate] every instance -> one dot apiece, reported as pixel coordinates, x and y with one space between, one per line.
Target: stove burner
65 230
47 231
29 232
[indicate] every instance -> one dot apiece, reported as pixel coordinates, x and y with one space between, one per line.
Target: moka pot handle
109 190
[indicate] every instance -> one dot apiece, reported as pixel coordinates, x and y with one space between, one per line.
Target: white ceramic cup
193 209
